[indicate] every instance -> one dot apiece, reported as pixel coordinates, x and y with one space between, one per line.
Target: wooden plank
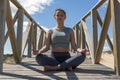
77 34
88 39
43 39
34 36
108 39
30 43
24 42
20 33
35 32
94 30
40 40
13 22
107 59
103 34
12 33
29 69
115 13
3 5
82 37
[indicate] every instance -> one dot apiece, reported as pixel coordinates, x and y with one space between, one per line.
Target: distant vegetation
9 59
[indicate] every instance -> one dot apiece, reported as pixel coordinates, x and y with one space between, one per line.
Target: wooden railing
33 35
94 43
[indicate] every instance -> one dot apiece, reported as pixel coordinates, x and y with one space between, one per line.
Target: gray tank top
60 38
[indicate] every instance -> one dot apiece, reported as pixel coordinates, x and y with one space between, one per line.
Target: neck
60 26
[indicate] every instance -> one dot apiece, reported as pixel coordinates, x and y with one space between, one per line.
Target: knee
38 58
82 57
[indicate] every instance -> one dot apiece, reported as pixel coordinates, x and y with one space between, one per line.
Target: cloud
33 6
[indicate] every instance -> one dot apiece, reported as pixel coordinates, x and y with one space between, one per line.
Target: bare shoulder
71 31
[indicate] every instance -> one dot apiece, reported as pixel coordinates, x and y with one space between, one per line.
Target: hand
83 50
35 52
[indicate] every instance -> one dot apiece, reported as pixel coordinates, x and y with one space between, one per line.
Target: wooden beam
24 42
88 39
12 33
95 31
82 37
34 36
13 22
79 35
115 14
3 4
30 43
103 34
40 40
20 33
76 34
108 38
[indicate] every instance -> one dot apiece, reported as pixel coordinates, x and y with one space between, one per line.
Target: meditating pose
58 39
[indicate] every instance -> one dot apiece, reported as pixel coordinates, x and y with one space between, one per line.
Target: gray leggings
61 58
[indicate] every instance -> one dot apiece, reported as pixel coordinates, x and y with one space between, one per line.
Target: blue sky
42 12
75 9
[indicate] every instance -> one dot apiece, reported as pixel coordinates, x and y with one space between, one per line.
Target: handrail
95 44
19 40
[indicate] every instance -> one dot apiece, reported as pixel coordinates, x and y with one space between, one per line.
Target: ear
65 17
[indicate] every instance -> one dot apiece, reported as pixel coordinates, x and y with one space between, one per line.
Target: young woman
59 39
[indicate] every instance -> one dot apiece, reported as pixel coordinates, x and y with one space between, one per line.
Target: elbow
47 47
74 47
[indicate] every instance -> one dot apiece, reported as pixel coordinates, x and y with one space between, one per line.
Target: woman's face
59 16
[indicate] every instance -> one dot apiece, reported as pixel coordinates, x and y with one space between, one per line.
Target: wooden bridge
34 37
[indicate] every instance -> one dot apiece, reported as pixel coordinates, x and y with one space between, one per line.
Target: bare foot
50 68
70 69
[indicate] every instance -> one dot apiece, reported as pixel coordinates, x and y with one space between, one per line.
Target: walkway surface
28 69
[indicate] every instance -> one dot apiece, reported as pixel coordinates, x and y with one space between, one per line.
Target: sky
42 11
74 10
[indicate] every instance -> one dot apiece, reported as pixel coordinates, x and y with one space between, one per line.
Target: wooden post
24 42
108 38
40 40
79 36
88 39
30 42
115 15
103 34
20 32
34 36
11 33
77 33
82 37
95 32
2 30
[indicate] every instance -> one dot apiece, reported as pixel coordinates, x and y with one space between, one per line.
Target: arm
73 43
72 40
46 46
